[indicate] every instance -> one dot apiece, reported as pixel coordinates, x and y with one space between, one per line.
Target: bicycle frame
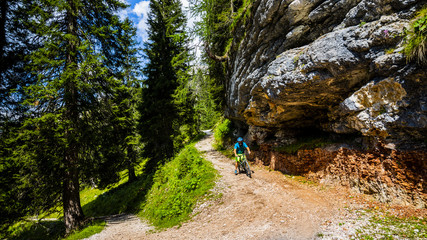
243 165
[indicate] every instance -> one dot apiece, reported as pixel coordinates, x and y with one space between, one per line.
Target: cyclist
239 151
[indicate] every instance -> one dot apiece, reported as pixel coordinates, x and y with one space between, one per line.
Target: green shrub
88 230
177 186
222 134
415 45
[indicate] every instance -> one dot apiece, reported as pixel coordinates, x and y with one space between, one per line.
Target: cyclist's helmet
240 139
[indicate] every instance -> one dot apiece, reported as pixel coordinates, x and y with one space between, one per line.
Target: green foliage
51 230
14 47
123 198
88 230
242 14
35 230
223 134
177 186
219 21
167 117
389 50
415 45
68 133
206 108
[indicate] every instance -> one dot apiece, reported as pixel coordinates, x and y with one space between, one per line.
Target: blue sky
137 12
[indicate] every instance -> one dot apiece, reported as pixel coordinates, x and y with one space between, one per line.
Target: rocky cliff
334 66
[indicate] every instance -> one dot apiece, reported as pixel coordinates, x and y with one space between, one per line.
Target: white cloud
141 9
124 13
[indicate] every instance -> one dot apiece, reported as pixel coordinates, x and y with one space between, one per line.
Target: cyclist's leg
238 161
236 165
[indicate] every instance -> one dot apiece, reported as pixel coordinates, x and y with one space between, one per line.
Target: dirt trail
267 206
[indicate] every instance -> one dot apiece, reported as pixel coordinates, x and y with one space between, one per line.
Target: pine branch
213 56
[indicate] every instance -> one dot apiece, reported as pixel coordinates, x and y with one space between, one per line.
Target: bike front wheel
248 170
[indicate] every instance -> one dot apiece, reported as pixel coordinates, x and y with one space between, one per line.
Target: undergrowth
35 230
118 198
415 45
223 134
177 186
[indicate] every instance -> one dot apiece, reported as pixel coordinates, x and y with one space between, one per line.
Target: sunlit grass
91 229
386 226
177 187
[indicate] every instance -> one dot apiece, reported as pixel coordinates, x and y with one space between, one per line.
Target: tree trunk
73 213
213 56
131 173
131 169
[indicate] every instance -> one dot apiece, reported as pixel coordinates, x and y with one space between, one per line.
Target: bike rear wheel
240 168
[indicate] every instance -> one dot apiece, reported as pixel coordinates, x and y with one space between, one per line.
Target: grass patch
88 194
390 50
125 198
36 230
88 230
118 198
177 186
390 227
415 45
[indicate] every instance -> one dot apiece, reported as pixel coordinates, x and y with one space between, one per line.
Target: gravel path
266 206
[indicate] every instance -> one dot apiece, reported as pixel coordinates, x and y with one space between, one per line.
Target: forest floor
270 205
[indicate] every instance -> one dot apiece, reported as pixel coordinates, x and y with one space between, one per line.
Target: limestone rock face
335 65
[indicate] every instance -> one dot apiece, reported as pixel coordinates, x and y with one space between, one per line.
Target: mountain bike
243 165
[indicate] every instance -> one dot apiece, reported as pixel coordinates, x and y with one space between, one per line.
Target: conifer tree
127 98
14 46
69 134
165 95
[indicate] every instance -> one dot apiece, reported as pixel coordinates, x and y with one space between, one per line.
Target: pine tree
127 98
165 95
206 107
69 134
215 29
14 46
